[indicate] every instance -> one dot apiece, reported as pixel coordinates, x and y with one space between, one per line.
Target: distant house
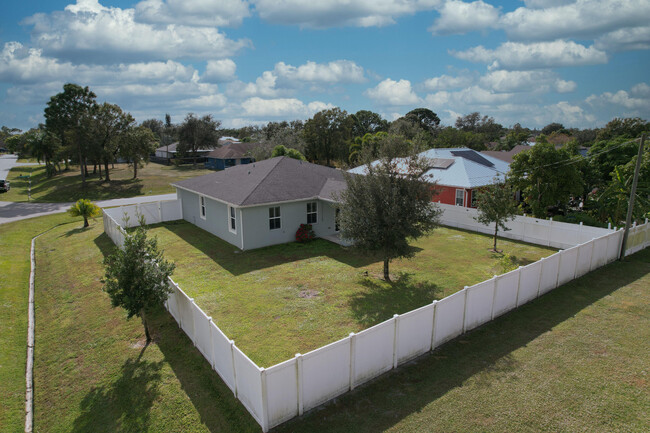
263 203
459 173
228 155
170 151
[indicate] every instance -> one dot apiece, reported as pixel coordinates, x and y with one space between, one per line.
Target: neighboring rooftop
171 148
231 150
460 167
273 180
506 155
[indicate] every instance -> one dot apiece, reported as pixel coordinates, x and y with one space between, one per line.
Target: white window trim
456 198
309 213
232 210
203 209
280 218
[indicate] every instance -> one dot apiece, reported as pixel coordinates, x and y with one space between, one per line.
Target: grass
573 360
152 179
92 371
303 296
15 243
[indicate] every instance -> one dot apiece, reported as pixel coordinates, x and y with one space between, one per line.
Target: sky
580 63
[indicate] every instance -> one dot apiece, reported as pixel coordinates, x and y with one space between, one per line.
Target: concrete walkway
11 211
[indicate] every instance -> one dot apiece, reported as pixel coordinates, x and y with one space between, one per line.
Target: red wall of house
447 195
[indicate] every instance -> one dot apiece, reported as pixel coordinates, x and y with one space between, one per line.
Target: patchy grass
303 296
152 179
15 243
574 360
92 371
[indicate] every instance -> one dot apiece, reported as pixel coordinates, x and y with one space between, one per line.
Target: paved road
11 211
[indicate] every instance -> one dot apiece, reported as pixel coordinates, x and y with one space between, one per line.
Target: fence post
160 215
353 342
433 326
464 308
234 368
395 339
541 275
210 325
193 336
265 402
518 286
494 295
299 382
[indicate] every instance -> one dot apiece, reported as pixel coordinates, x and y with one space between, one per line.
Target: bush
305 233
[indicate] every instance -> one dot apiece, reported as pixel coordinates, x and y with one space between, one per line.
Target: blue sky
580 63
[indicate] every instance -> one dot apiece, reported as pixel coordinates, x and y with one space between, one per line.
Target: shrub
305 233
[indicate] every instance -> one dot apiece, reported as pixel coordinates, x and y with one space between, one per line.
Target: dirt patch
308 294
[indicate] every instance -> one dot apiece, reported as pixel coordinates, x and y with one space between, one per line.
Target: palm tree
86 209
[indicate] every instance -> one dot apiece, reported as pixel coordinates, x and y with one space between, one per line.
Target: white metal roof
470 169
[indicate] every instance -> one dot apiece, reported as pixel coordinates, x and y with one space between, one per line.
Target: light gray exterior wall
216 221
255 231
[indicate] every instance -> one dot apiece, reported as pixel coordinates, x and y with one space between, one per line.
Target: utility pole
630 207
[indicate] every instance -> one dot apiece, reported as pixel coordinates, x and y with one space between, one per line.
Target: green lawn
303 296
15 242
573 360
152 179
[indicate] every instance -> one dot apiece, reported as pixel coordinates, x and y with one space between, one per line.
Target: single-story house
169 151
228 155
459 172
263 203
506 155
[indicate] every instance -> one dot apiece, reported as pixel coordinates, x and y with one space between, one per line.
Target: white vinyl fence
286 390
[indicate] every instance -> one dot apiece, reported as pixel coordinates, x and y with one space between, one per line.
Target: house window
274 218
473 198
337 226
232 220
460 197
202 206
312 213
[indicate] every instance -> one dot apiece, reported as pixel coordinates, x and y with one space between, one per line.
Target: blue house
229 155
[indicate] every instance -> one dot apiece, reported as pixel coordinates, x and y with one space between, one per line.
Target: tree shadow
380 404
124 404
384 299
239 262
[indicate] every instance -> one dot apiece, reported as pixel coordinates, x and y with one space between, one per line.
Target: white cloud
457 17
259 107
204 13
636 100
391 92
217 71
542 4
520 56
339 13
263 86
445 82
525 81
90 32
635 38
339 71
564 112
580 19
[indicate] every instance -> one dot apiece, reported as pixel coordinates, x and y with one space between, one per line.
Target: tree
63 117
197 133
496 204
485 125
630 127
326 136
382 210
86 209
424 118
368 141
138 143
452 137
367 122
552 127
44 146
136 277
280 150
106 130
547 176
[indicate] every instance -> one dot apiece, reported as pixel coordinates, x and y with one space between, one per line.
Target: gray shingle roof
231 150
270 181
